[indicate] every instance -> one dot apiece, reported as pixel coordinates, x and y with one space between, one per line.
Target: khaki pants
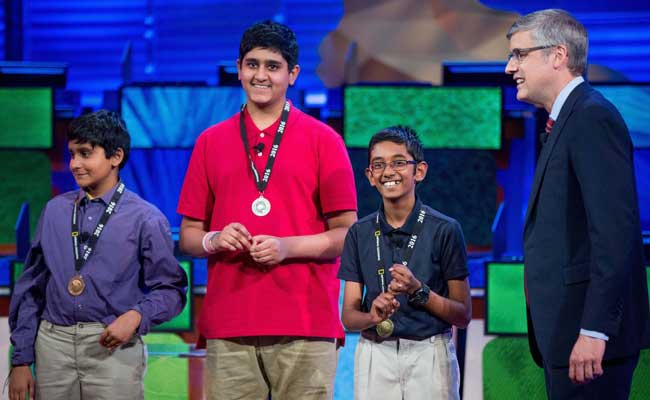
286 368
406 369
72 365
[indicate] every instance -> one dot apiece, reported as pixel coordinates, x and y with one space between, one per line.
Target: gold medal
76 285
385 328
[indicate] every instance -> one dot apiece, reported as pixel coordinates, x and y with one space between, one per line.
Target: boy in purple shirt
100 272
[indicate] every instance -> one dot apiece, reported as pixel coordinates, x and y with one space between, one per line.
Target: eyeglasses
396 165
520 54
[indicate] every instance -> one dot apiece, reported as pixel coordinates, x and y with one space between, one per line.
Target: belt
370 335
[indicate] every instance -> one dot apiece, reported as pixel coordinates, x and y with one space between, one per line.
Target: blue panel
157 176
632 102
174 116
642 169
2 30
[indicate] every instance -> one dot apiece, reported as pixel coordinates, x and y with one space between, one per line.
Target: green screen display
444 117
17 269
183 321
26 118
505 302
27 178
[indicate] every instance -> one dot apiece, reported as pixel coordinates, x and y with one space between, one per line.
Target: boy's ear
371 177
421 169
117 157
293 74
239 69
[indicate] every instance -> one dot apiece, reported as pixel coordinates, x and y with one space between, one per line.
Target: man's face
533 73
265 76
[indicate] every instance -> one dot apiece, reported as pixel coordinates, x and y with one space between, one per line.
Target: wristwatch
421 296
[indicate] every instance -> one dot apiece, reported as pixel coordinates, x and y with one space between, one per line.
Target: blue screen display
174 116
632 101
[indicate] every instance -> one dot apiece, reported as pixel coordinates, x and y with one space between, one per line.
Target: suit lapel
547 149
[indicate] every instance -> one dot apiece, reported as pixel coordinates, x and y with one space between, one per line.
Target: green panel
26 177
167 376
509 371
444 117
26 118
183 321
18 268
505 298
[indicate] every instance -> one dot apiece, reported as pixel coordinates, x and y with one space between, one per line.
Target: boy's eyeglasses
396 165
520 54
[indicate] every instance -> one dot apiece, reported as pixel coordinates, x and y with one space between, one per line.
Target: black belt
371 335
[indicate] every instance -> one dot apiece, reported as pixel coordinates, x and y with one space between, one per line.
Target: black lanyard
417 229
79 260
261 183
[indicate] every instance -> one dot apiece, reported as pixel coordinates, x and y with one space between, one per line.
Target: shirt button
262 134
90 218
259 154
80 307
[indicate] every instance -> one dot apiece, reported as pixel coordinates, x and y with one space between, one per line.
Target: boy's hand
383 307
403 280
21 382
121 330
268 250
233 237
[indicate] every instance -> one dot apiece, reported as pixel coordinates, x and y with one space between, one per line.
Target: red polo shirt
312 176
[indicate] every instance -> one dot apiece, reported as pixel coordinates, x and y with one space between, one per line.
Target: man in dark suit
586 286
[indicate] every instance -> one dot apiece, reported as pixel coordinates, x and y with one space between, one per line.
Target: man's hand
383 307
268 250
121 330
585 362
403 280
233 237
21 382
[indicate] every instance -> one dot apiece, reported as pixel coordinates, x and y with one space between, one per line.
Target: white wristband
208 247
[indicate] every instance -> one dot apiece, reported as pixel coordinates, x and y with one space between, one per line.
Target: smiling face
92 171
534 73
394 185
265 77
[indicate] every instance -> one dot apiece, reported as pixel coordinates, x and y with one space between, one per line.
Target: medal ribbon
79 260
409 247
261 183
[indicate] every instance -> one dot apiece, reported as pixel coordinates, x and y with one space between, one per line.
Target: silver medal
261 206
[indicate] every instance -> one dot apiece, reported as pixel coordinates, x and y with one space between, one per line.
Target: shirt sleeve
452 250
335 175
28 302
196 198
350 263
163 276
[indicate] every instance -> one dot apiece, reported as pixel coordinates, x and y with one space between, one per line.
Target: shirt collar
408 226
82 196
564 94
252 130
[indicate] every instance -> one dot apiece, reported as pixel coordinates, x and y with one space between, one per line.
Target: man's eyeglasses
520 54
396 165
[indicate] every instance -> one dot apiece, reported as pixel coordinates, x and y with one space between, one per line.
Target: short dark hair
270 35
102 128
400 134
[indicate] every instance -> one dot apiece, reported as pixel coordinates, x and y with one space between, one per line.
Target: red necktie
549 125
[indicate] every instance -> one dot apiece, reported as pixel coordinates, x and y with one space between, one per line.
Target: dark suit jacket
582 234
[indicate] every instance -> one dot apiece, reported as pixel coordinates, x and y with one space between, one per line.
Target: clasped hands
264 249
386 304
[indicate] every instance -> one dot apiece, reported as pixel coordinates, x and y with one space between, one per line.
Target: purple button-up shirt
132 268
